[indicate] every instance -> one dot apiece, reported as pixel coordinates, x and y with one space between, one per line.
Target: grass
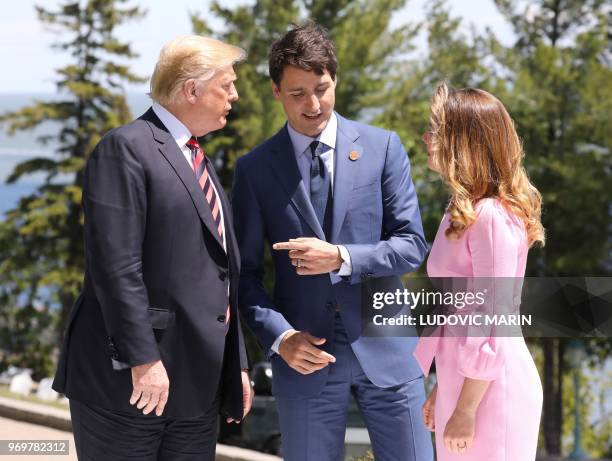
4 392
368 457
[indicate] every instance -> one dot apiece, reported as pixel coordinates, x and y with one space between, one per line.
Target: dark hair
307 47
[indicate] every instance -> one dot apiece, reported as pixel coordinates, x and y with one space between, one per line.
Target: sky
29 62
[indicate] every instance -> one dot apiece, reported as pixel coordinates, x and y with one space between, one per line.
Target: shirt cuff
118 366
276 343
346 268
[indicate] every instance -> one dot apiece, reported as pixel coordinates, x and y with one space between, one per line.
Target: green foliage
369 456
365 46
594 417
41 249
452 57
556 373
26 336
256 116
557 88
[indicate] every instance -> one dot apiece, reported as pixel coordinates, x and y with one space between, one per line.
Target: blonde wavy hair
189 57
476 148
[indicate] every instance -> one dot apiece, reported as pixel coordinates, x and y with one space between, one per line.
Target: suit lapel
346 172
228 221
285 166
175 157
232 252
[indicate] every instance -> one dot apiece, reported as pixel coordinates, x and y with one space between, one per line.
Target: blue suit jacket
375 216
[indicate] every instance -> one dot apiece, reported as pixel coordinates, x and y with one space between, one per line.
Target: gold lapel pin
354 155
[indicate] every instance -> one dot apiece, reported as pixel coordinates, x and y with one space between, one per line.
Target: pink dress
508 418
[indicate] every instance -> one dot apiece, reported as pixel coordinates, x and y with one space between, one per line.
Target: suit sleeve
403 246
256 306
115 207
245 363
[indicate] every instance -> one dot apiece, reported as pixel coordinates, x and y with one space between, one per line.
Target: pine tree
364 42
557 88
41 244
450 57
559 93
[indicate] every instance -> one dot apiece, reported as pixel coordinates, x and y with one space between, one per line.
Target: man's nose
234 94
313 103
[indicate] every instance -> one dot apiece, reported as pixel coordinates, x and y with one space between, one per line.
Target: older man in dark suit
154 350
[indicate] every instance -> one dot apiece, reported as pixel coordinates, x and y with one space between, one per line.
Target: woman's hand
459 431
428 410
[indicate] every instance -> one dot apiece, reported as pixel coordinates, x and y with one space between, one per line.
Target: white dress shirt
303 156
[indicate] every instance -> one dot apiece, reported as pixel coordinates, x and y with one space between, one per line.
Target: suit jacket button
329 305
222 276
221 318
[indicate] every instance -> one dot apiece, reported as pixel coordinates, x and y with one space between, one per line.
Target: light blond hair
479 154
189 57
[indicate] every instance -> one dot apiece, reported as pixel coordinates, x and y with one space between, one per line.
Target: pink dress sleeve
493 241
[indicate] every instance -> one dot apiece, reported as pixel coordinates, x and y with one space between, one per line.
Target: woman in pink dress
487 401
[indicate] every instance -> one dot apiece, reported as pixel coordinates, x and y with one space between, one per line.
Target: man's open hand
151 385
311 256
299 349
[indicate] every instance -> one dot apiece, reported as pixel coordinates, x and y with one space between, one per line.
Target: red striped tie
201 172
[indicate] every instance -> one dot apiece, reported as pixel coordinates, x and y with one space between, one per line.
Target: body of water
23 145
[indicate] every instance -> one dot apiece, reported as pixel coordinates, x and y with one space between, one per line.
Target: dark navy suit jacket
156 280
375 216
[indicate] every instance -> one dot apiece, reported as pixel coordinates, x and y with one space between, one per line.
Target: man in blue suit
335 200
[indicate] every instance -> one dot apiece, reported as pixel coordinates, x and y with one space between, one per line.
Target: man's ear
190 90
275 89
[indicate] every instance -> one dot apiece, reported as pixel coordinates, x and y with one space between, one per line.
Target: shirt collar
301 142
177 129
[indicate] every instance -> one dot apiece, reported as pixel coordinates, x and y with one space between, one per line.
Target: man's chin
314 129
221 124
